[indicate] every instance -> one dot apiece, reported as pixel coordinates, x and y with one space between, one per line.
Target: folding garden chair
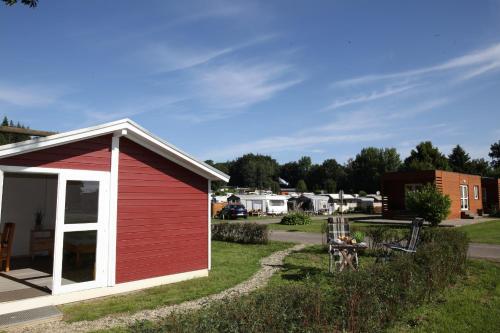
337 228
408 244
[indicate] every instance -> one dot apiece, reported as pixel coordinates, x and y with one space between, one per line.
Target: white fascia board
150 141
58 139
134 131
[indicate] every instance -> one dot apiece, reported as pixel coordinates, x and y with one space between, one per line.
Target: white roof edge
80 134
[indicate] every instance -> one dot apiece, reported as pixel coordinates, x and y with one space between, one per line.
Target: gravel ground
270 265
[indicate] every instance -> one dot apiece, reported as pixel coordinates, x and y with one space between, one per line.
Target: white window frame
464 197
476 192
413 187
102 264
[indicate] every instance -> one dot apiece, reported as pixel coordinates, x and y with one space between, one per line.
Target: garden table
347 254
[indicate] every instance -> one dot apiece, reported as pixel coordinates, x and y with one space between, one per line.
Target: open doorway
29 201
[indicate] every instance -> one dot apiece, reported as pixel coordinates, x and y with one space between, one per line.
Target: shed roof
124 127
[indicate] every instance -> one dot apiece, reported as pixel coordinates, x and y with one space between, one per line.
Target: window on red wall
476 192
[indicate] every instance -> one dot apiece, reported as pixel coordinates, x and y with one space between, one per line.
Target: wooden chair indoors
6 244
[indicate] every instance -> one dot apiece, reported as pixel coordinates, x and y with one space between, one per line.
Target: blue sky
285 78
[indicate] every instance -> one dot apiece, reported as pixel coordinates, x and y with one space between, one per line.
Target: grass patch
484 232
472 305
314 226
231 264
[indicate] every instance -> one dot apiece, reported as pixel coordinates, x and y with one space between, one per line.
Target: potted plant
38 220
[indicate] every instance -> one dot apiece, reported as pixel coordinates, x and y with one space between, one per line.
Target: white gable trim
132 131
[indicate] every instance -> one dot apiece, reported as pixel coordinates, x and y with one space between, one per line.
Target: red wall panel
91 154
162 216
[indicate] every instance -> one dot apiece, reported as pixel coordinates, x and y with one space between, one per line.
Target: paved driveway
476 250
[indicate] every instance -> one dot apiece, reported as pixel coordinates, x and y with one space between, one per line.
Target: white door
81 231
464 197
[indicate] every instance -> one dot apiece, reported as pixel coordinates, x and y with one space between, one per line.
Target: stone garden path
269 266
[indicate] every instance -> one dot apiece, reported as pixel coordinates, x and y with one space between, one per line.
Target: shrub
359 236
367 300
249 233
429 204
495 212
378 235
296 219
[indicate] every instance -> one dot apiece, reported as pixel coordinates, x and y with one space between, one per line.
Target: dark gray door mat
30 317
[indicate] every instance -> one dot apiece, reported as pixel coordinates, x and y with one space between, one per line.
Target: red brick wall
90 154
451 185
162 216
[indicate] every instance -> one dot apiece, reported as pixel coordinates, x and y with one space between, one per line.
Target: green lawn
250 218
472 305
231 264
315 226
484 232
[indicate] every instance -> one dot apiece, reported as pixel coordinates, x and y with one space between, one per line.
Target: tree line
359 174
6 138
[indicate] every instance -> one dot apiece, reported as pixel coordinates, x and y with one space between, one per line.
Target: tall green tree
479 166
426 157
495 155
366 169
459 160
293 171
6 138
290 172
253 170
326 176
301 186
30 3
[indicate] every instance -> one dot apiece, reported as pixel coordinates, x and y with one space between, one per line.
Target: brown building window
476 192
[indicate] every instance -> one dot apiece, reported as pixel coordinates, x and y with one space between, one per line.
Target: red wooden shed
102 210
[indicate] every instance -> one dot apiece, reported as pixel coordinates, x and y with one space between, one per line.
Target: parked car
233 212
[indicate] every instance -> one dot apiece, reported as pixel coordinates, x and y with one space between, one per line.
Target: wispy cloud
29 95
283 143
407 112
165 57
212 10
389 91
239 85
164 104
478 62
367 125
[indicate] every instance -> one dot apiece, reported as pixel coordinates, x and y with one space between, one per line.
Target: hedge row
296 219
248 233
368 300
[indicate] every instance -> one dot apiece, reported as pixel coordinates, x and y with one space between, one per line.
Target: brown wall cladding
491 189
393 190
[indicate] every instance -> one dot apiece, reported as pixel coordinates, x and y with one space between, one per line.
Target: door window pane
82 198
79 256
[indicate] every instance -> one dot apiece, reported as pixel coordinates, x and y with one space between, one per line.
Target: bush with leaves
367 300
429 203
247 233
359 236
296 219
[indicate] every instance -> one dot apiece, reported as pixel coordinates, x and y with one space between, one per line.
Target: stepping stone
30 317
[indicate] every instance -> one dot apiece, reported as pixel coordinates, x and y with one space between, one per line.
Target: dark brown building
491 194
464 191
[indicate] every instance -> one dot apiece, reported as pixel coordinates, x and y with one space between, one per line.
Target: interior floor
27 278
